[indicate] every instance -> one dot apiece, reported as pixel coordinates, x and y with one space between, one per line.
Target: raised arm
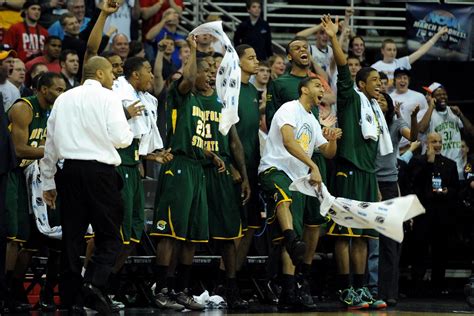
175 6
426 46
425 121
412 133
148 12
158 81
156 29
136 10
331 30
93 43
468 127
309 31
189 69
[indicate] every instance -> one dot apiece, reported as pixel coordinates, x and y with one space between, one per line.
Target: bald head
100 69
434 141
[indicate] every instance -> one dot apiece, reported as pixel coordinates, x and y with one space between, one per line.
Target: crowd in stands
300 114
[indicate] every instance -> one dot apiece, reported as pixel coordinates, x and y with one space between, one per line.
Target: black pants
3 235
90 194
389 252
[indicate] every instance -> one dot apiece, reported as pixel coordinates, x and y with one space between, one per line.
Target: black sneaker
296 249
185 299
303 292
163 300
234 301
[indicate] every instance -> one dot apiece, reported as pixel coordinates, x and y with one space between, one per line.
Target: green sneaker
366 296
351 299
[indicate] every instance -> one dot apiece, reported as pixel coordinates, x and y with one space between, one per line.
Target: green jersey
214 141
187 124
37 127
130 155
248 125
352 146
281 90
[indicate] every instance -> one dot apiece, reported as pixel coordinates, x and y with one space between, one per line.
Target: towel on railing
373 124
228 76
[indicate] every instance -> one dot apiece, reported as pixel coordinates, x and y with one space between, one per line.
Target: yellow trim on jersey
135 240
169 172
174 118
168 235
340 173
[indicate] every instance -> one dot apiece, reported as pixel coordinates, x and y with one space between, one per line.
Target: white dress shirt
86 123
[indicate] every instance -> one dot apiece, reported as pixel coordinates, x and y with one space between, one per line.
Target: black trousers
3 235
90 194
389 252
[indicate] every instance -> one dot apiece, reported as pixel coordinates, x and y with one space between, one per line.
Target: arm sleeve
345 85
48 162
270 107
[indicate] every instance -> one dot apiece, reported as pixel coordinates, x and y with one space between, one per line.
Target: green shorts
133 201
223 202
251 212
275 184
181 202
17 212
355 184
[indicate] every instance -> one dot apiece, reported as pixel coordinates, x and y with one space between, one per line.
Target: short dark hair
65 16
296 38
107 54
134 48
50 38
383 75
241 49
352 56
47 79
304 83
64 53
133 64
387 41
36 65
250 2
363 74
199 62
390 108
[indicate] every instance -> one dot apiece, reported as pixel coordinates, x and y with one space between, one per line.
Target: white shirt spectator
409 100
121 19
86 123
10 94
307 133
389 68
448 125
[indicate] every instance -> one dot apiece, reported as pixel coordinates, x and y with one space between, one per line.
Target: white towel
143 126
228 75
373 124
386 217
37 205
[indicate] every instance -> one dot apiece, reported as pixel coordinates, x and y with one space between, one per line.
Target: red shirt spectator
27 38
51 55
152 11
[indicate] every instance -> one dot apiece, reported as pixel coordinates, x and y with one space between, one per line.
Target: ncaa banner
424 20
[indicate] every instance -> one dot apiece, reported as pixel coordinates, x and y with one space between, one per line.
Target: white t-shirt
10 94
448 125
389 68
408 101
323 58
307 133
121 19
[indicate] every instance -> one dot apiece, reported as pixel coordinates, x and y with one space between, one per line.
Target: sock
289 236
171 283
160 276
342 281
183 277
358 280
288 283
305 270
